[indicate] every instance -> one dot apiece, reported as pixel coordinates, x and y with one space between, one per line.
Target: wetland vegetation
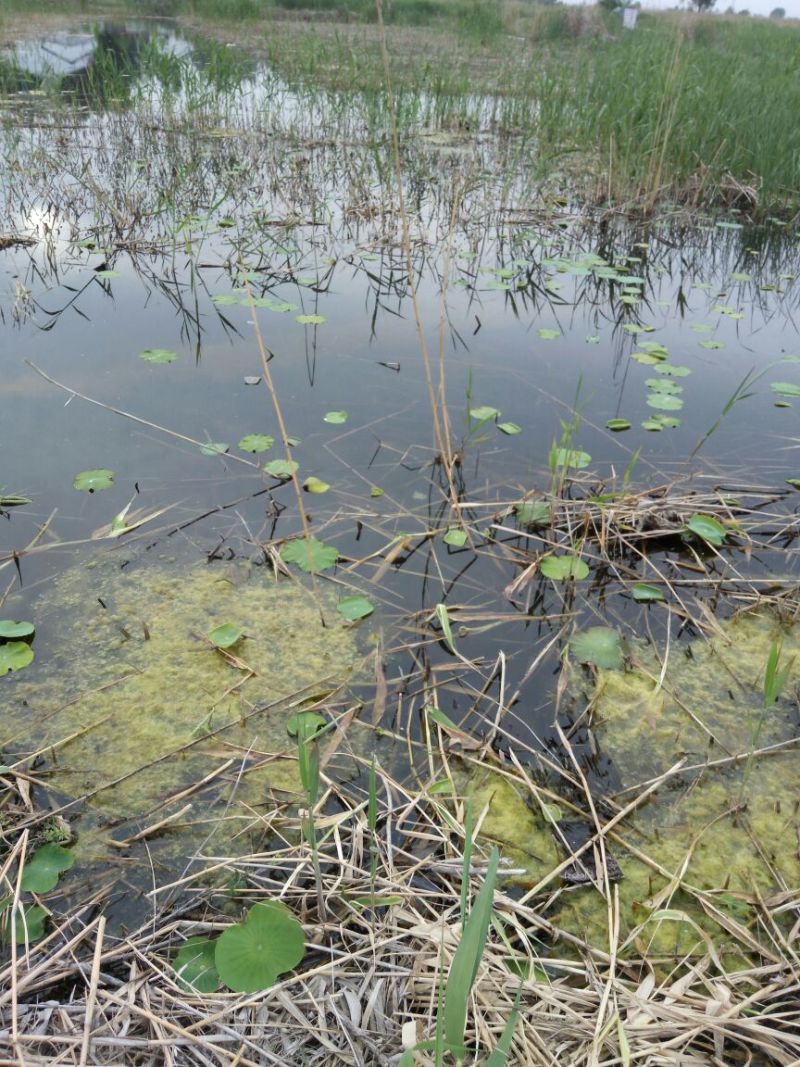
398 574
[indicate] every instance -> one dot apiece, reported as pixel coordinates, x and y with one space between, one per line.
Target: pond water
156 197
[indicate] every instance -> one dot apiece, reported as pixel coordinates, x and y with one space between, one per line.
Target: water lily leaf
702 327
14 656
252 379
282 306
484 414
305 724
708 528
256 442
196 966
653 425
560 568
740 276
215 448
599 645
617 425
455 537
663 385
510 428
785 388
158 355
570 457
225 635
533 512
13 501
250 956
656 347
336 418
310 555
664 401
226 299
355 607
648 359
548 334
672 370
281 468
43 868
712 344
29 925
376 491
794 482
668 421
644 592
315 485
91 481
593 339
12 631
310 320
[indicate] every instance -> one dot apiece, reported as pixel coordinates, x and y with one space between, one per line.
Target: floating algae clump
134 680
725 829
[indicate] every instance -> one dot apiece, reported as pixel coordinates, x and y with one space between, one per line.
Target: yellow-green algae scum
142 679
729 832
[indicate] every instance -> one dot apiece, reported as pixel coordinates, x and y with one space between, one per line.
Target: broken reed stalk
441 431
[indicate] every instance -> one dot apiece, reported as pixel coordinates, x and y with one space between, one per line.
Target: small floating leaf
664 401
712 344
455 537
484 414
215 448
197 971
336 418
310 320
533 512
376 491
644 592
312 555
599 645
226 635
43 868
617 425
570 457
90 481
560 568
548 334
315 485
256 442
355 607
794 482
12 631
672 370
281 468
158 355
785 388
14 656
509 428
707 528
252 379
250 956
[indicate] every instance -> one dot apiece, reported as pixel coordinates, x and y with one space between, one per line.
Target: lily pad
312 555
673 370
549 334
44 867
196 966
484 414
510 428
708 528
785 388
158 355
336 418
533 512
355 607
250 956
215 448
664 401
281 468
225 635
644 592
315 485
617 425
455 537
12 631
14 656
310 320
570 457
91 481
256 442
560 568
599 645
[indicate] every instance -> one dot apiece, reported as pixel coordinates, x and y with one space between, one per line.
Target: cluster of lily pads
15 647
40 875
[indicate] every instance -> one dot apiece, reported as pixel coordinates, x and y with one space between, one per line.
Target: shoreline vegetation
688 109
252 875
